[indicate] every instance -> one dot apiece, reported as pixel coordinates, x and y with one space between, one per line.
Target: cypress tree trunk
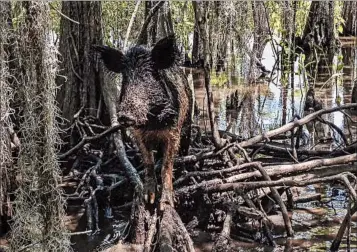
80 84
349 13
320 35
320 24
260 37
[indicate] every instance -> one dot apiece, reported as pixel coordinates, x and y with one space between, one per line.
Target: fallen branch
337 241
130 171
214 172
222 243
86 139
292 125
276 195
295 168
281 149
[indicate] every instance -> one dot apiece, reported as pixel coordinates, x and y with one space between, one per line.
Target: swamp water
270 105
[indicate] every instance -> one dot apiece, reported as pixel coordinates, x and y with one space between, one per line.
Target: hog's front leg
171 146
150 183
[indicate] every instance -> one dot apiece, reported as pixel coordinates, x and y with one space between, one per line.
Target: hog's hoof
150 191
166 199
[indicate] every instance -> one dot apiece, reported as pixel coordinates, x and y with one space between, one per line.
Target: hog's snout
126 120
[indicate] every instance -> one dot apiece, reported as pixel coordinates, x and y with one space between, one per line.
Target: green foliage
338 18
55 17
302 13
18 14
275 16
116 18
219 79
183 20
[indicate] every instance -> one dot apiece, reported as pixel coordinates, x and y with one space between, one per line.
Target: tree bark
200 16
80 85
261 31
320 36
349 15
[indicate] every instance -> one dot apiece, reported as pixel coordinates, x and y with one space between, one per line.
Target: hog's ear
165 52
113 59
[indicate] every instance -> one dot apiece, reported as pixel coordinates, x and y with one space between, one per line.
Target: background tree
349 15
80 84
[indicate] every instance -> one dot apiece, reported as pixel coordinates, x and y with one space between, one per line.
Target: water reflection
272 104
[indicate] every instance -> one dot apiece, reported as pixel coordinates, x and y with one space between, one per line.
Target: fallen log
223 241
284 150
173 233
272 171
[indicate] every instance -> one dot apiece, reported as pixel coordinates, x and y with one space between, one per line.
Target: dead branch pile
218 189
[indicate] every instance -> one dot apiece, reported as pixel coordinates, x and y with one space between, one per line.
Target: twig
63 15
86 139
337 241
152 12
79 233
131 24
276 195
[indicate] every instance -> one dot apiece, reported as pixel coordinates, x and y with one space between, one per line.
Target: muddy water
269 105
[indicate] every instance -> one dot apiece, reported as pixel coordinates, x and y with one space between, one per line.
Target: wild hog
155 100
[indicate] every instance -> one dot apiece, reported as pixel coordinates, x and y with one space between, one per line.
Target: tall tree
261 32
320 24
80 84
320 35
201 11
349 13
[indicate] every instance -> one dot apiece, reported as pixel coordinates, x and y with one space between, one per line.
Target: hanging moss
39 212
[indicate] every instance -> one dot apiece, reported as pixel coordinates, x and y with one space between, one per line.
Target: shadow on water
266 106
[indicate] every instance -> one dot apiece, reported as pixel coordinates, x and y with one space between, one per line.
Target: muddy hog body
155 100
